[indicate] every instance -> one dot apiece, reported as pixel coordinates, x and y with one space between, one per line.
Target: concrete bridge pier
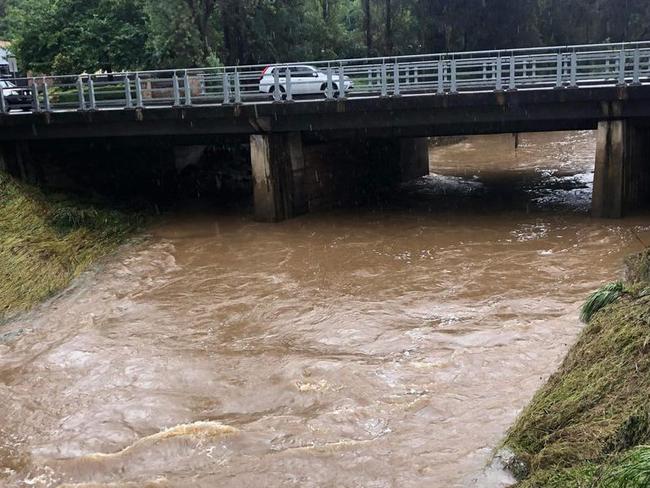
292 177
622 174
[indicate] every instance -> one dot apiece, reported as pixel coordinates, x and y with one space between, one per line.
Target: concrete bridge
311 124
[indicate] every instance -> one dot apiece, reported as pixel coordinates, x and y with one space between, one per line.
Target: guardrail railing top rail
431 74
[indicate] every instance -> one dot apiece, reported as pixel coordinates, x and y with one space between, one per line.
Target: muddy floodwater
384 346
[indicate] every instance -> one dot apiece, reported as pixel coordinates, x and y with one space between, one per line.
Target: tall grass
632 472
601 298
45 243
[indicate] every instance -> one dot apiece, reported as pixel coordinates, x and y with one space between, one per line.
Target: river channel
384 346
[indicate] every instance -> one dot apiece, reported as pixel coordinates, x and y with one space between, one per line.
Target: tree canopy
63 36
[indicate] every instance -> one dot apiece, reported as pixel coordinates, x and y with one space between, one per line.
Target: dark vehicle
16 97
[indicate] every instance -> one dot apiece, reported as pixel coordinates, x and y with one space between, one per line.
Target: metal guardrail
435 74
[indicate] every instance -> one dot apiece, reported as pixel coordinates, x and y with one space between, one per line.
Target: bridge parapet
435 74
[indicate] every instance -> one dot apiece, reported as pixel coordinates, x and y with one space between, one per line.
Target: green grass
45 242
585 426
601 298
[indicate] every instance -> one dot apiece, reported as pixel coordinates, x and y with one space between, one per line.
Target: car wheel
283 95
335 90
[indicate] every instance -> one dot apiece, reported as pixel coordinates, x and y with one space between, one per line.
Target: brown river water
385 346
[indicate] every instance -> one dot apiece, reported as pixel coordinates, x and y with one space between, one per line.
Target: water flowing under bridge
388 103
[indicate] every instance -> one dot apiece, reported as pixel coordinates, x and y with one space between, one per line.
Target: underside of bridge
292 177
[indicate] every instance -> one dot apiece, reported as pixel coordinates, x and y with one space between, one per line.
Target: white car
305 80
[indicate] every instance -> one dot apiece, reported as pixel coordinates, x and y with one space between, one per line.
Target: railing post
139 102
384 80
289 83
574 69
46 96
277 96
3 102
91 93
396 84
226 88
237 89
558 76
454 79
622 58
177 90
128 99
80 91
188 89
441 77
329 89
499 82
342 93
512 83
35 97
637 67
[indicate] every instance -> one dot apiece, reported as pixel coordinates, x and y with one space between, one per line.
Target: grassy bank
589 426
46 241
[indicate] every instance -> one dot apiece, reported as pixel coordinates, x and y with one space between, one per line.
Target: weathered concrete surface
407 116
292 177
622 172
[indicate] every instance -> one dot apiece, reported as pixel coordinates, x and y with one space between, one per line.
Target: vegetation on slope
46 241
589 426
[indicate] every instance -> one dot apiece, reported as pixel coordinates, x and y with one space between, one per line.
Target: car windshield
7 84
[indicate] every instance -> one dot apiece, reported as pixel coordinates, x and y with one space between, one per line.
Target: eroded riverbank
375 347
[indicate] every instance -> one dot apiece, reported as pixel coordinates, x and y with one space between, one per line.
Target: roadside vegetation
589 426
48 240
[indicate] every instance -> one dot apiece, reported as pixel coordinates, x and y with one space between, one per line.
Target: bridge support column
414 158
622 174
278 176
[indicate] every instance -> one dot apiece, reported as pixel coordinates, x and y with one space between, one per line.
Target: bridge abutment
292 177
622 173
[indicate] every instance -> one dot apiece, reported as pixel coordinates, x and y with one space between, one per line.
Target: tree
69 36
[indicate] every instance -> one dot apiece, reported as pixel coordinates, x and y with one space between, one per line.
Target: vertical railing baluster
637 67
289 83
177 90
226 88
499 81
384 80
237 88
128 98
187 89
558 76
46 96
277 96
574 69
622 59
80 93
91 93
441 78
512 83
36 103
342 92
396 83
3 103
454 76
329 88
139 101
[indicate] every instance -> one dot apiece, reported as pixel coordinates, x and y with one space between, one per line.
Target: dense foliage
74 35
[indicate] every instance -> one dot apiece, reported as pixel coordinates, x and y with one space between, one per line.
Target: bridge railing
435 74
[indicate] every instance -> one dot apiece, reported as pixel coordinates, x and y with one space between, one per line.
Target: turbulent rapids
383 346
